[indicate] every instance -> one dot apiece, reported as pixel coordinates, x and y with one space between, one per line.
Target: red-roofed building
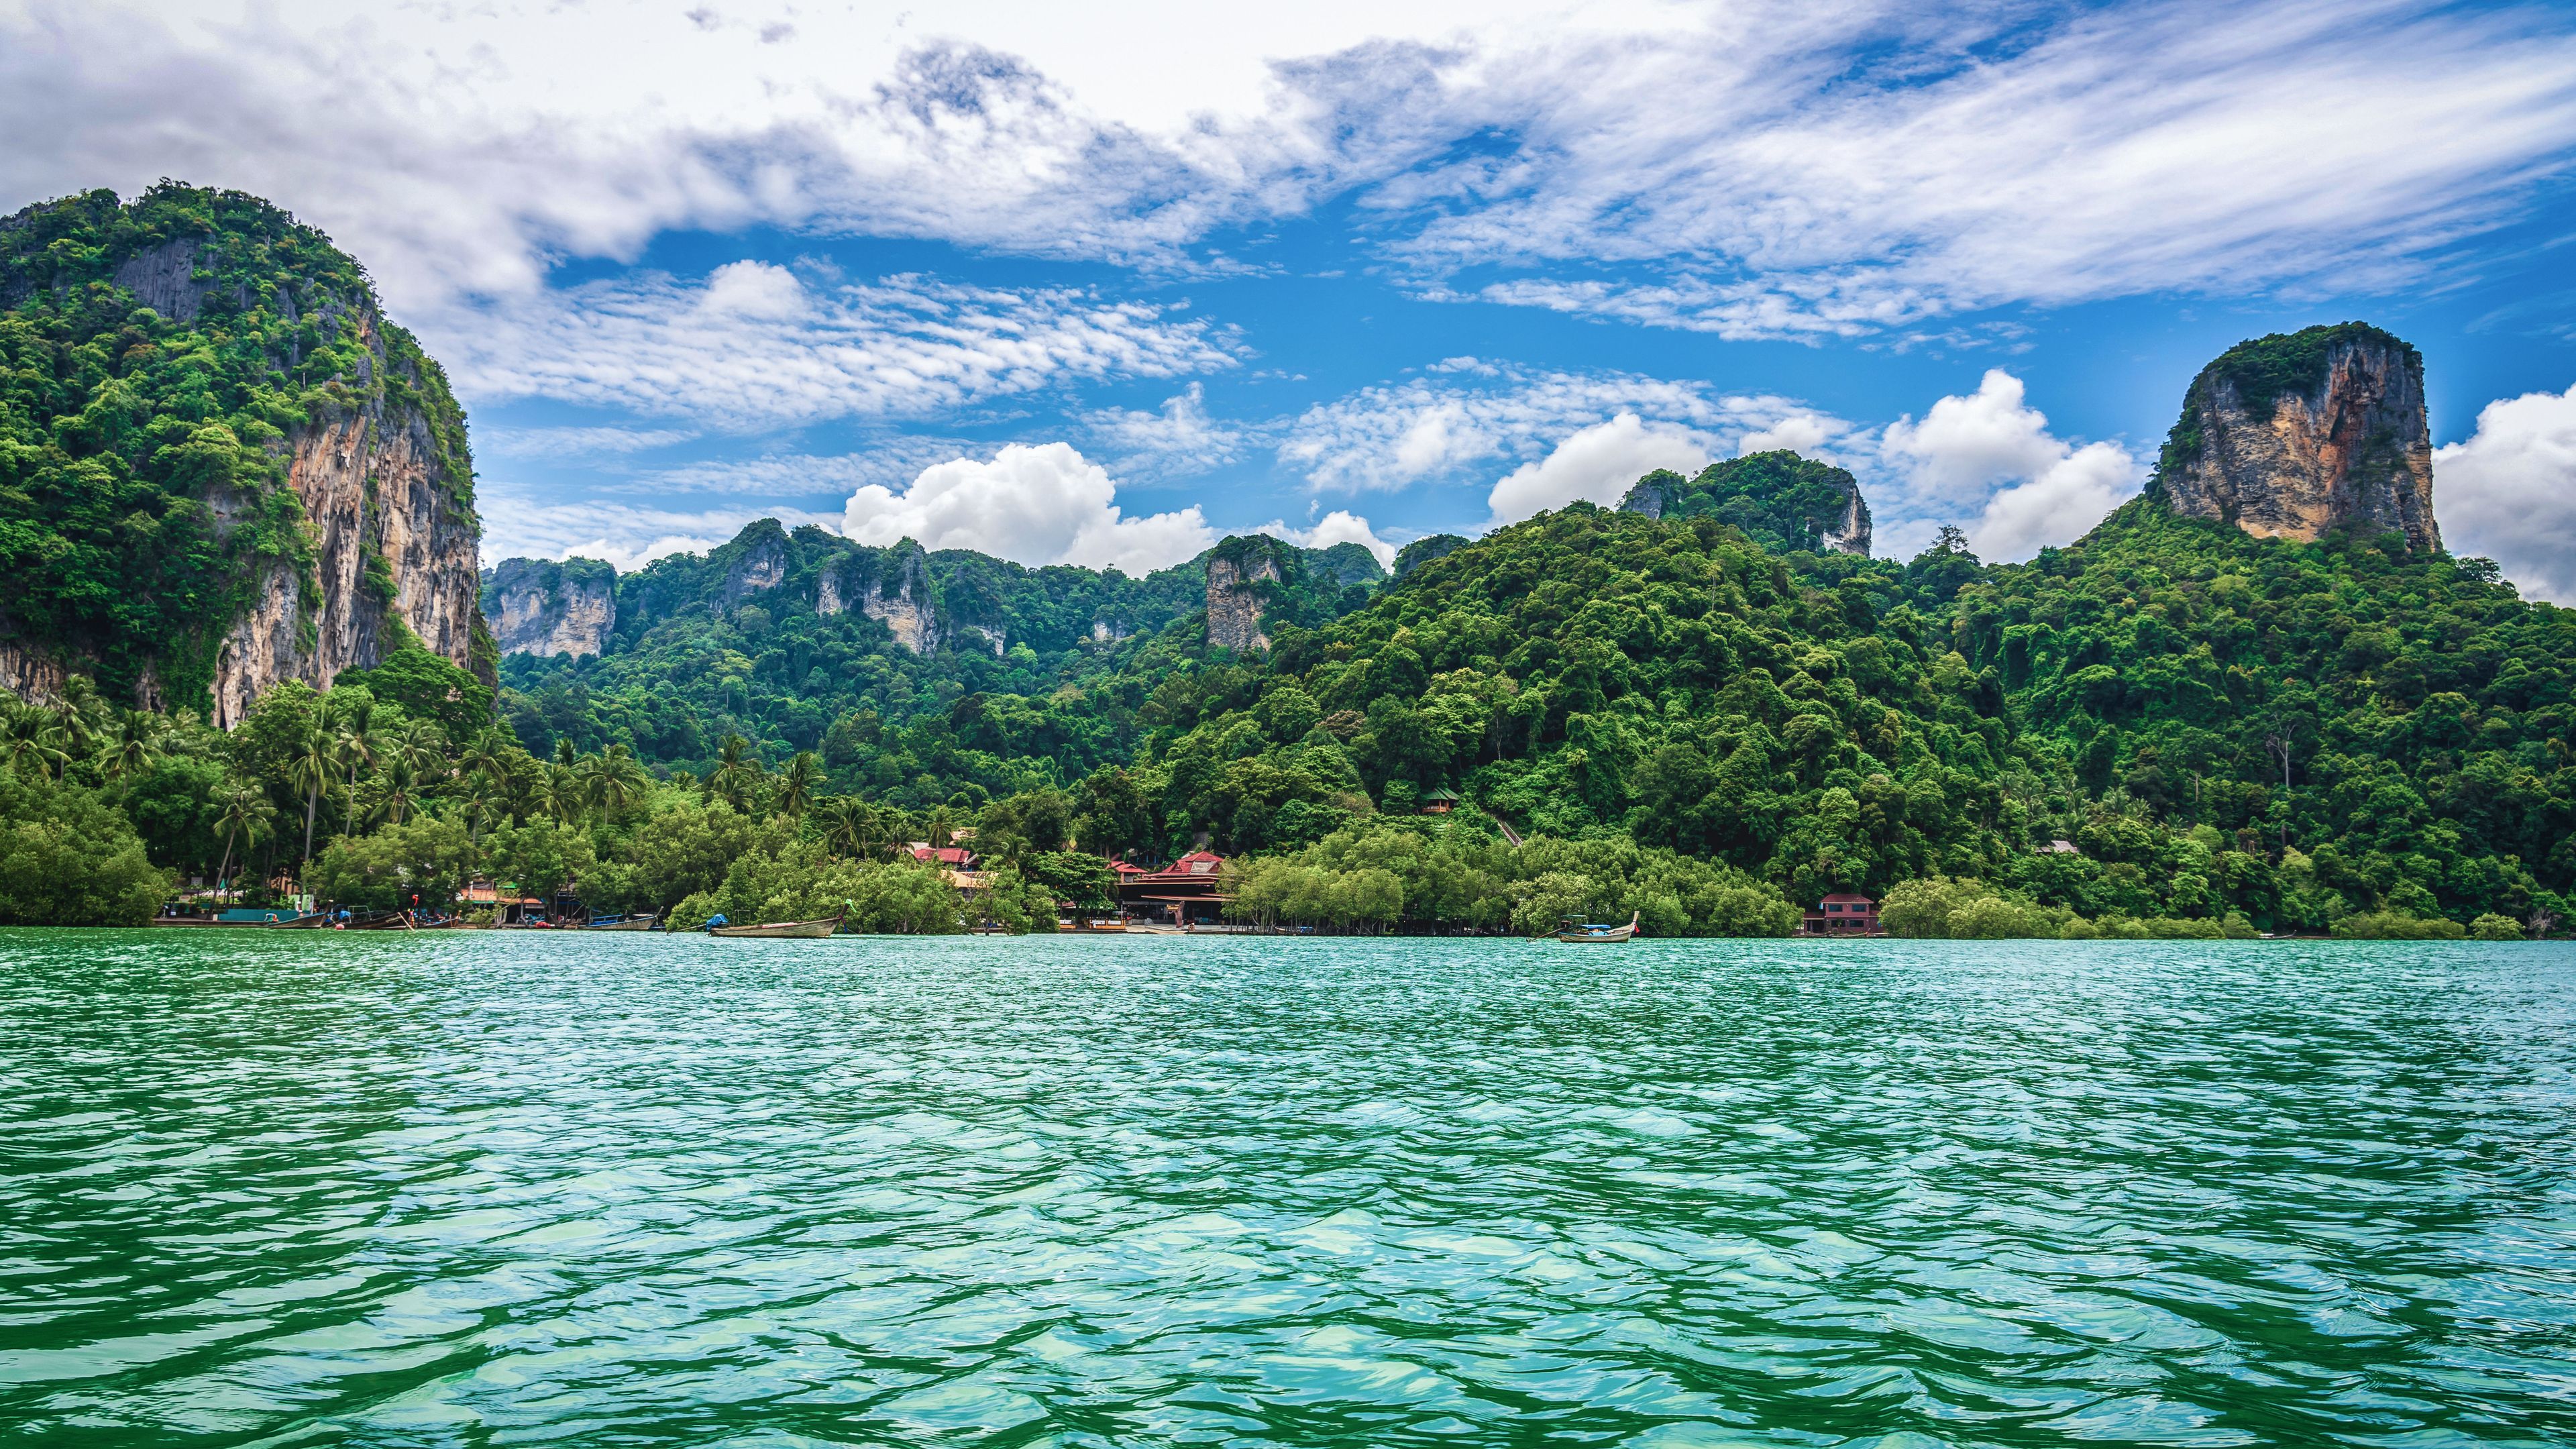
952 856
1843 915
1189 889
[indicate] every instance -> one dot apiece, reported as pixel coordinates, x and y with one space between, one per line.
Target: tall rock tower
2292 435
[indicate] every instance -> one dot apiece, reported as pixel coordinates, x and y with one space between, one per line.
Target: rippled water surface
495 1189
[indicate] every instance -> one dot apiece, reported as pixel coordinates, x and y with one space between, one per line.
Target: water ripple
498 1189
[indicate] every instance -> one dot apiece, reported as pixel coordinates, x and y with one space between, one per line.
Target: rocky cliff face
900 597
1236 570
2292 436
340 493
395 539
542 608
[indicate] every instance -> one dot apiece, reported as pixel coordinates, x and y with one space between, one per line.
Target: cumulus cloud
1987 461
1463 419
1597 464
1338 526
1034 505
2509 492
755 343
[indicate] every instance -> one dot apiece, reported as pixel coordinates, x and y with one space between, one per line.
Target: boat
379 921
1597 934
310 922
620 923
782 930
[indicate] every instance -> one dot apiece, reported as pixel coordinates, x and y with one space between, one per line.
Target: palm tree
357 746
736 774
796 785
564 795
477 800
314 765
938 832
397 802
423 746
846 822
617 779
137 743
34 739
246 813
491 754
80 706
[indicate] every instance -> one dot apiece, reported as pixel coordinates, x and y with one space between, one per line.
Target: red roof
947 855
1198 862
1844 898
1127 868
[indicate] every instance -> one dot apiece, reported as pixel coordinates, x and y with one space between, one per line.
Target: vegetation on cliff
1778 499
142 464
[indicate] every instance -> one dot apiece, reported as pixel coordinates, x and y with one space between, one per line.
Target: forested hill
781 635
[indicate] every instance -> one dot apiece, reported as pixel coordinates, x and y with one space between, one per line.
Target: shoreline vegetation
1697 708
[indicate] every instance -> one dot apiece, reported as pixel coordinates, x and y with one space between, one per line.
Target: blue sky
1102 287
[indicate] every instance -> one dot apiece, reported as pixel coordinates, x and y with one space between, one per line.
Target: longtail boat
1597 934
620 923
782 930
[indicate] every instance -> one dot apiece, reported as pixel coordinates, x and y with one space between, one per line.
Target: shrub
2393 926
68 858
2492 927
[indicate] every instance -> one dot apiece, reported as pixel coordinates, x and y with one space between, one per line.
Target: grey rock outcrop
545 608
2292 436
897 594
1236 571
395 539
758 568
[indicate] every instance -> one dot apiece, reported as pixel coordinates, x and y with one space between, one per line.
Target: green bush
425 857
2392 926
68 858
2493 927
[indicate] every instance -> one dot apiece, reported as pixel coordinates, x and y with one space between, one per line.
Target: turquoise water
499 1189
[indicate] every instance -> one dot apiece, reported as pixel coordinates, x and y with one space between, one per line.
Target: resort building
1190 889
1842 915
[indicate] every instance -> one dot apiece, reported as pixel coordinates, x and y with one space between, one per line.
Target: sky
1101 285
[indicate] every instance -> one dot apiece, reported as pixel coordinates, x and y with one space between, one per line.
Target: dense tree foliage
142 466
1779 500
1040 675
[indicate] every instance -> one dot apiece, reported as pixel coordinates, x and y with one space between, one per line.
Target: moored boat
311 922
782 930
1595 934
621 923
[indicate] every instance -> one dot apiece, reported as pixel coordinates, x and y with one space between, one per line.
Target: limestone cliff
2290 436
394 540
544 608
325 520
893 588
1237 571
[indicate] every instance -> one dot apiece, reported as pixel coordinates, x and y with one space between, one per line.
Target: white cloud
1448 426
2509 492
754 343
1338 526
1964 445
1761 169
624 535
576 442
1033 505
1987 461
1599 463
1178 438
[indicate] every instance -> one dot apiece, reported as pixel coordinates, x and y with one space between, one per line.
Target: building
1842 915
1439 800
1188 890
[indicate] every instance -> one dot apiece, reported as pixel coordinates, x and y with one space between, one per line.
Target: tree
312 766
68 858
246 816
736 777
796 784
847 825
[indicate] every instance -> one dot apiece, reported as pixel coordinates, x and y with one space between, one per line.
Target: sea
517 1188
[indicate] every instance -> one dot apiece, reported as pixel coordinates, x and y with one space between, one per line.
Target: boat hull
639 923
781 930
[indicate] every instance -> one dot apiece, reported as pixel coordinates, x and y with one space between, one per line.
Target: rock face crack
2298 435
